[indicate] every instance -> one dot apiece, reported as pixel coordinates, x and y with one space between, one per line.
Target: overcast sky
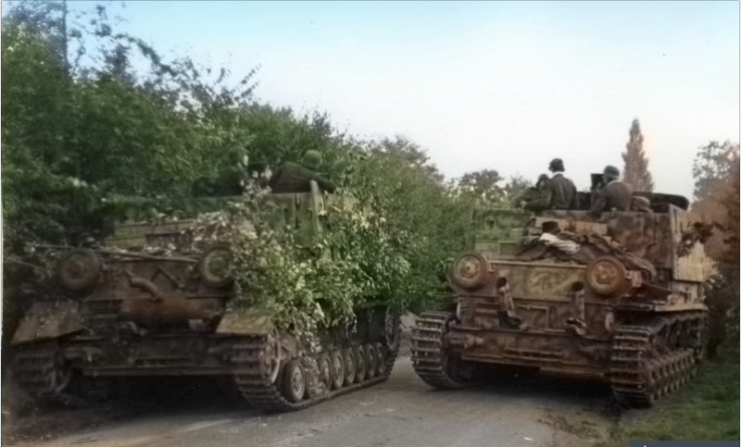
480 85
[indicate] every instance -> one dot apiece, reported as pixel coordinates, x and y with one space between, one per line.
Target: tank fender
254 321
46 320
249 321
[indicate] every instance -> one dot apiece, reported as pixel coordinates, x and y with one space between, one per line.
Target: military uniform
537 198
294 177
615 194
562 190
563 193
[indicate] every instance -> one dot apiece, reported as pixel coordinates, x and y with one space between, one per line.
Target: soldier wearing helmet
641 204
563 190
536 198
295 177
616 195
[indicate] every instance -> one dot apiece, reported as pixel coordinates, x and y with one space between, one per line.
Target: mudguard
46 320
251 321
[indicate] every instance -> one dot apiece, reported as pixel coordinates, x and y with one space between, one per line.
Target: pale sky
484 85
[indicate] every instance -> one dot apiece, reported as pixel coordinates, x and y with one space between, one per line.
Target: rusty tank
627 308
125 313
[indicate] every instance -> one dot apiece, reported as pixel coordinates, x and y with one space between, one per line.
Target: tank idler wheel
349 358
360 365
294 381
380 358
371 360
338 369
325 369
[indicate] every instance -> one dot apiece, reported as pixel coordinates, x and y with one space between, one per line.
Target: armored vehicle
622 303
123 312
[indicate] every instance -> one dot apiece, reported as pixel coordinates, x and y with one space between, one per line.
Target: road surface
403 412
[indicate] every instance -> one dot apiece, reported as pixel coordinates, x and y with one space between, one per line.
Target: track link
643 370
429 359
252 376
35 369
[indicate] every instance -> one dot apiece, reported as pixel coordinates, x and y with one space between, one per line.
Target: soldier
563 190
536 198
615 195
641 205
294 177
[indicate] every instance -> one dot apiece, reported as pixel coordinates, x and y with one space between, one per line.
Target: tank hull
257 362
618 300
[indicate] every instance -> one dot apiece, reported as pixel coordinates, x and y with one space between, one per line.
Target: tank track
36 370
641 371
428 358
253 381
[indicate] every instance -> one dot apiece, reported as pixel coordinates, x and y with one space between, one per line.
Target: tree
515 186
716 172
482 184
714 164
635 172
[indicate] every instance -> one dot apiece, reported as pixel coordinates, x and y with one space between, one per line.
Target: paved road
400 412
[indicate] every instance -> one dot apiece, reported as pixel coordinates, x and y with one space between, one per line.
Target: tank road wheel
79 269
294 381
42 372
349 359
360 365
338 369
381 361
371 360
325 370
432 362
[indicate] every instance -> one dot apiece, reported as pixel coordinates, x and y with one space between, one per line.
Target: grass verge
705 409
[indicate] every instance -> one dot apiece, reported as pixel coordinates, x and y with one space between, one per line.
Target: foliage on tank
305 285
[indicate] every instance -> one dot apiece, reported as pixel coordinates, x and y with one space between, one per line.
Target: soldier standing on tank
616 195
563 190
295 177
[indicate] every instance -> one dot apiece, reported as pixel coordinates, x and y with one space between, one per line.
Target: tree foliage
635 172
483 184
360 258
716 172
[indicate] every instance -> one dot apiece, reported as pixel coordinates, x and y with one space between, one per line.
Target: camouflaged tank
630 313
126 313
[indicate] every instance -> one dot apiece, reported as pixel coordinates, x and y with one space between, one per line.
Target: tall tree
635 172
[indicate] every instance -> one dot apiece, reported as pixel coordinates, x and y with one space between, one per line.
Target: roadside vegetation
706 409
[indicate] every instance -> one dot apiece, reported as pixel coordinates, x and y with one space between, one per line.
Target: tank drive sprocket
430 359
